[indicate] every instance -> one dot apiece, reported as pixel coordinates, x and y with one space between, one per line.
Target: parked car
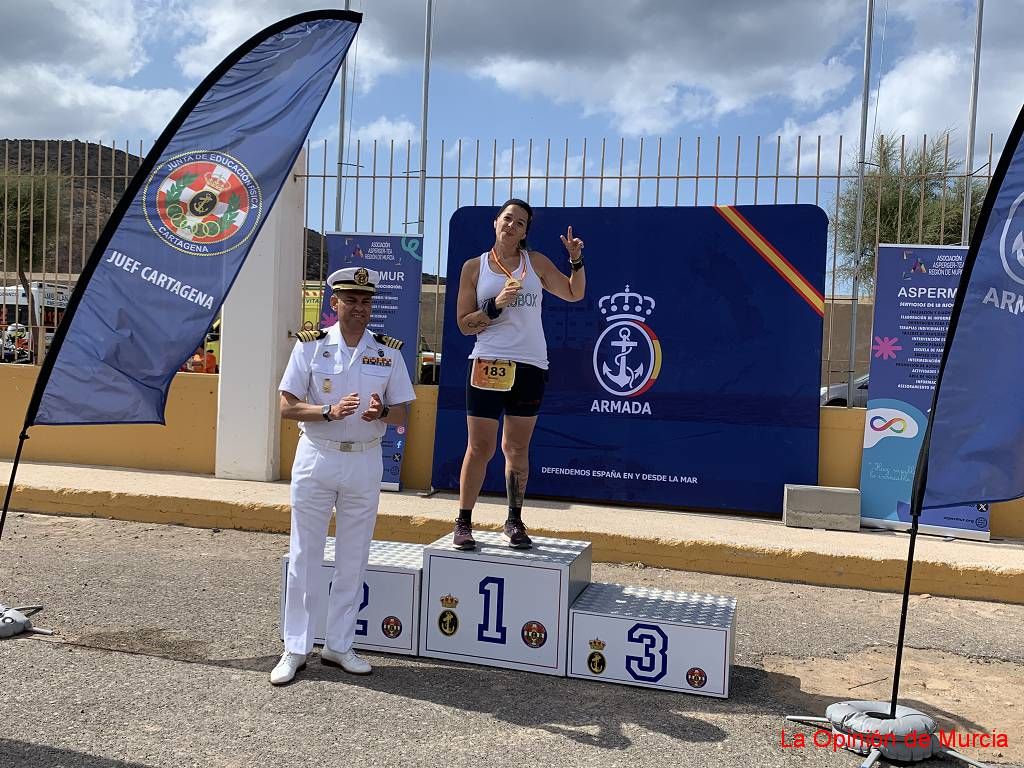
429 364
836 394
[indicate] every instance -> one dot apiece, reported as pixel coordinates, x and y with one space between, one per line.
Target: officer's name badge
327 385
385 361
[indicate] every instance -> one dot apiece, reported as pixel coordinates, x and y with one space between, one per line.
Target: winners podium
535 610
501 607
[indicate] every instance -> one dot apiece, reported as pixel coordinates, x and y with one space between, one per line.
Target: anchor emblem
627 353
626 375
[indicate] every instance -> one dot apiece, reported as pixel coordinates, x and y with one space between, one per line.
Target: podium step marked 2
653 638
390 609
502 607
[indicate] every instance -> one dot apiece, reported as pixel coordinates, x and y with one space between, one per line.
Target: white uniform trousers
323 480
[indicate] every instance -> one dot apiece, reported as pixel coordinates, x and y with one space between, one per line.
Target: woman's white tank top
518 333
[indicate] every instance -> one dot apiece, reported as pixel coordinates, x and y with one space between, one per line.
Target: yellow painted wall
188 442
840 443
839 452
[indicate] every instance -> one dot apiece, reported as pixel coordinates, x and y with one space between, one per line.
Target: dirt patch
968 695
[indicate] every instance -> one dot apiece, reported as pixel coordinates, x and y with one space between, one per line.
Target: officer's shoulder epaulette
311 335
388 341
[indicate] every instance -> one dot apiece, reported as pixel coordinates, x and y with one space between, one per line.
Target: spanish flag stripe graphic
776 260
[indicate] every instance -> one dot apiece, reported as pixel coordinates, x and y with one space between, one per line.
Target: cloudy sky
563 71
572 68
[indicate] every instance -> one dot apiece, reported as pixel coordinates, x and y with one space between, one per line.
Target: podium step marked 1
501 607
390 609
535 610
653 638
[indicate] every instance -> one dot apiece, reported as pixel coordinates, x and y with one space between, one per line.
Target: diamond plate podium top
657 604
386 554
494 545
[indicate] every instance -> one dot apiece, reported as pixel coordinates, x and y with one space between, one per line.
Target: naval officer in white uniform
343 385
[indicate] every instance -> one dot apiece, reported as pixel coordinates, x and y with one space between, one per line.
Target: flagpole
10 485
859 223
916 500
423 115
971 124
341 139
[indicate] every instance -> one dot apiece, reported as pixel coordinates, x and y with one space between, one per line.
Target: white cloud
75 107
224 25
62 71
813 84
651 66
647 67
384 130
99 37
926 90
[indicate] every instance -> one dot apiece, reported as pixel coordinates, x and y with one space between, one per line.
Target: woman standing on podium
499 302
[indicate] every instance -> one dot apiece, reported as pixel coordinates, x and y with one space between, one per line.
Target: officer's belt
344 447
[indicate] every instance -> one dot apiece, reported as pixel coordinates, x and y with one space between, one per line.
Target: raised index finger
569 233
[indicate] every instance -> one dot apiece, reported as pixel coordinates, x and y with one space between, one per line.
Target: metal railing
57 195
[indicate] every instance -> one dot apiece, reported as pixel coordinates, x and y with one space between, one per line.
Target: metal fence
58 194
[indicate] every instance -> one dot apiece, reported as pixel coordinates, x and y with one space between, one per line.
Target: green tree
28 227
911 195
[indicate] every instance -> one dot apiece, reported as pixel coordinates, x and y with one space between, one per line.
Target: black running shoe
463 536
515 532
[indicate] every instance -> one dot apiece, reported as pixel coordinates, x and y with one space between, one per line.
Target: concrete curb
705 543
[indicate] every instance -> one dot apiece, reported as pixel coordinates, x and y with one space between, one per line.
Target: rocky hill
63 192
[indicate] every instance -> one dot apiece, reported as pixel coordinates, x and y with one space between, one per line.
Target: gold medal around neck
513 282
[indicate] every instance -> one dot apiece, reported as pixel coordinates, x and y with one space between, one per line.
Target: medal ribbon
522 275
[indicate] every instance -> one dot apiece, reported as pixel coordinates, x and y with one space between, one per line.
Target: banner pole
423 118
858 227
971 126
916 502
10 485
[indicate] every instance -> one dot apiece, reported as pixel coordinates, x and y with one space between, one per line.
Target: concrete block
815 506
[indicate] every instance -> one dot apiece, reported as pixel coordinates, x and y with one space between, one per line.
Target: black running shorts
523 399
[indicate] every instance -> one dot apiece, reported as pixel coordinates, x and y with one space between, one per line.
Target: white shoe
286 668
348 661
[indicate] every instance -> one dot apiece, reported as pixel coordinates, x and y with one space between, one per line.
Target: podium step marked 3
653 638
390 608
502 607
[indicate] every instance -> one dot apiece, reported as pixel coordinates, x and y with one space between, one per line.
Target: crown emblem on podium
626 303
449 601
217 182
597 644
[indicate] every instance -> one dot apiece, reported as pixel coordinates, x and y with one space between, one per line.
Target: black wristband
491 309
384 412
576 266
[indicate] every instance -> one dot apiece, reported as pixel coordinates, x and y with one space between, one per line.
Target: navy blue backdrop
698 386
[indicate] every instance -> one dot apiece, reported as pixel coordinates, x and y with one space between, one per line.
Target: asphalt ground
166 636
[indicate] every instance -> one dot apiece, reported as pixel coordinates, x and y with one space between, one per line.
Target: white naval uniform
324 477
